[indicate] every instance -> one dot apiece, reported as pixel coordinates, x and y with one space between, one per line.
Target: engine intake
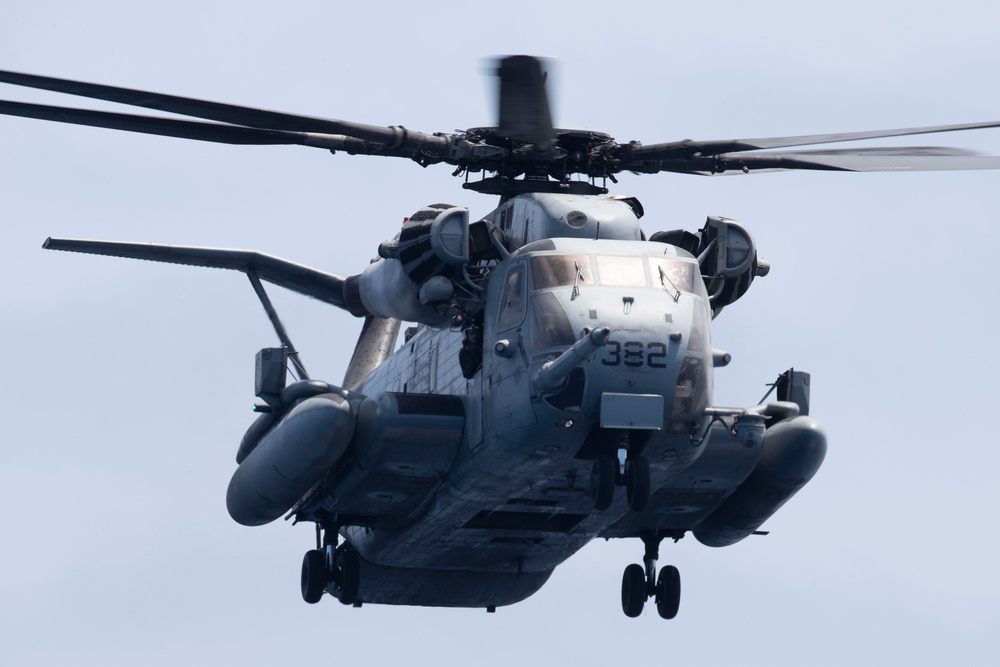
411 277
728 257
727 254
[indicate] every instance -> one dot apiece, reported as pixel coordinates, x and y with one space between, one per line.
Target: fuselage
563 356
518 498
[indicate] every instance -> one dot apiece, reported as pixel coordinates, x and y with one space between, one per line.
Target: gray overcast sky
126 385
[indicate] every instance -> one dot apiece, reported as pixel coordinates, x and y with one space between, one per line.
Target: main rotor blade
524 104
197 130
690 148
914 158
872 162
326 287
168 127
393 137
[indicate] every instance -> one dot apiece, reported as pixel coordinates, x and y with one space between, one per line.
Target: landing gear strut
639 582
332 569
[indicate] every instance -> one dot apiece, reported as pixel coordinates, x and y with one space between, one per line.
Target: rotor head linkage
525 143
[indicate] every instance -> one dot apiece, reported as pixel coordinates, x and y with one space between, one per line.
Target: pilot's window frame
688 283
552 271
513 299
550 326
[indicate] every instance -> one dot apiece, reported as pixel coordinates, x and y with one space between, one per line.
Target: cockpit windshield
621 271
671 274
556 270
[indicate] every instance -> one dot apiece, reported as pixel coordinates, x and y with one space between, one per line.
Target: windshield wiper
677 293
576 280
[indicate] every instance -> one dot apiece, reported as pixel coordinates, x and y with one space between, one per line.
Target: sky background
127 385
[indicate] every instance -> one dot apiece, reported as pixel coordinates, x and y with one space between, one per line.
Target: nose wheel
603 478
628 469
640 582
637 483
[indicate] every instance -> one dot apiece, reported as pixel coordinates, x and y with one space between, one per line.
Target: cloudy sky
127 385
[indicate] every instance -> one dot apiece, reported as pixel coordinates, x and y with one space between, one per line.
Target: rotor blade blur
920 158
326 287
524 104
858 161
394 137
197 130
688 147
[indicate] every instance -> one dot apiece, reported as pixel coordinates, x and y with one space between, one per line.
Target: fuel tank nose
290 458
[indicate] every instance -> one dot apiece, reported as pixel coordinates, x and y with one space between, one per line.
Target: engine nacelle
289 459
793 451
728 257
411 278
727 254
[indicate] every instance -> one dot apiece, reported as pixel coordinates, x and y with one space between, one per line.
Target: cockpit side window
550 325
512 303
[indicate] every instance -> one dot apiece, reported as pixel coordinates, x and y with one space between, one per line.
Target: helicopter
558 385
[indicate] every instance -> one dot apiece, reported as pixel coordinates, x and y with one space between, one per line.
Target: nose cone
662 347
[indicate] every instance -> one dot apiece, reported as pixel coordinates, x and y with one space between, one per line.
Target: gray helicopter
556 386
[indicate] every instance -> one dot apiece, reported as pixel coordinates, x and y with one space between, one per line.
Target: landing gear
633 590
628 469
639 582
314 576
637 483
331 569
603 477
346 577
668 592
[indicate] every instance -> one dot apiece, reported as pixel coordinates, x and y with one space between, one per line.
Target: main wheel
602 482
314 576
348 575
637 483
668 592
633 590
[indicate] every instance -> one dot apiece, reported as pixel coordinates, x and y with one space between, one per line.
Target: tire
313 576
668 592
348 576
602 482
637 483
633 590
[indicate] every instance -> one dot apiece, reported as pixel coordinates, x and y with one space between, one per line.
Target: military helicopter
557 386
